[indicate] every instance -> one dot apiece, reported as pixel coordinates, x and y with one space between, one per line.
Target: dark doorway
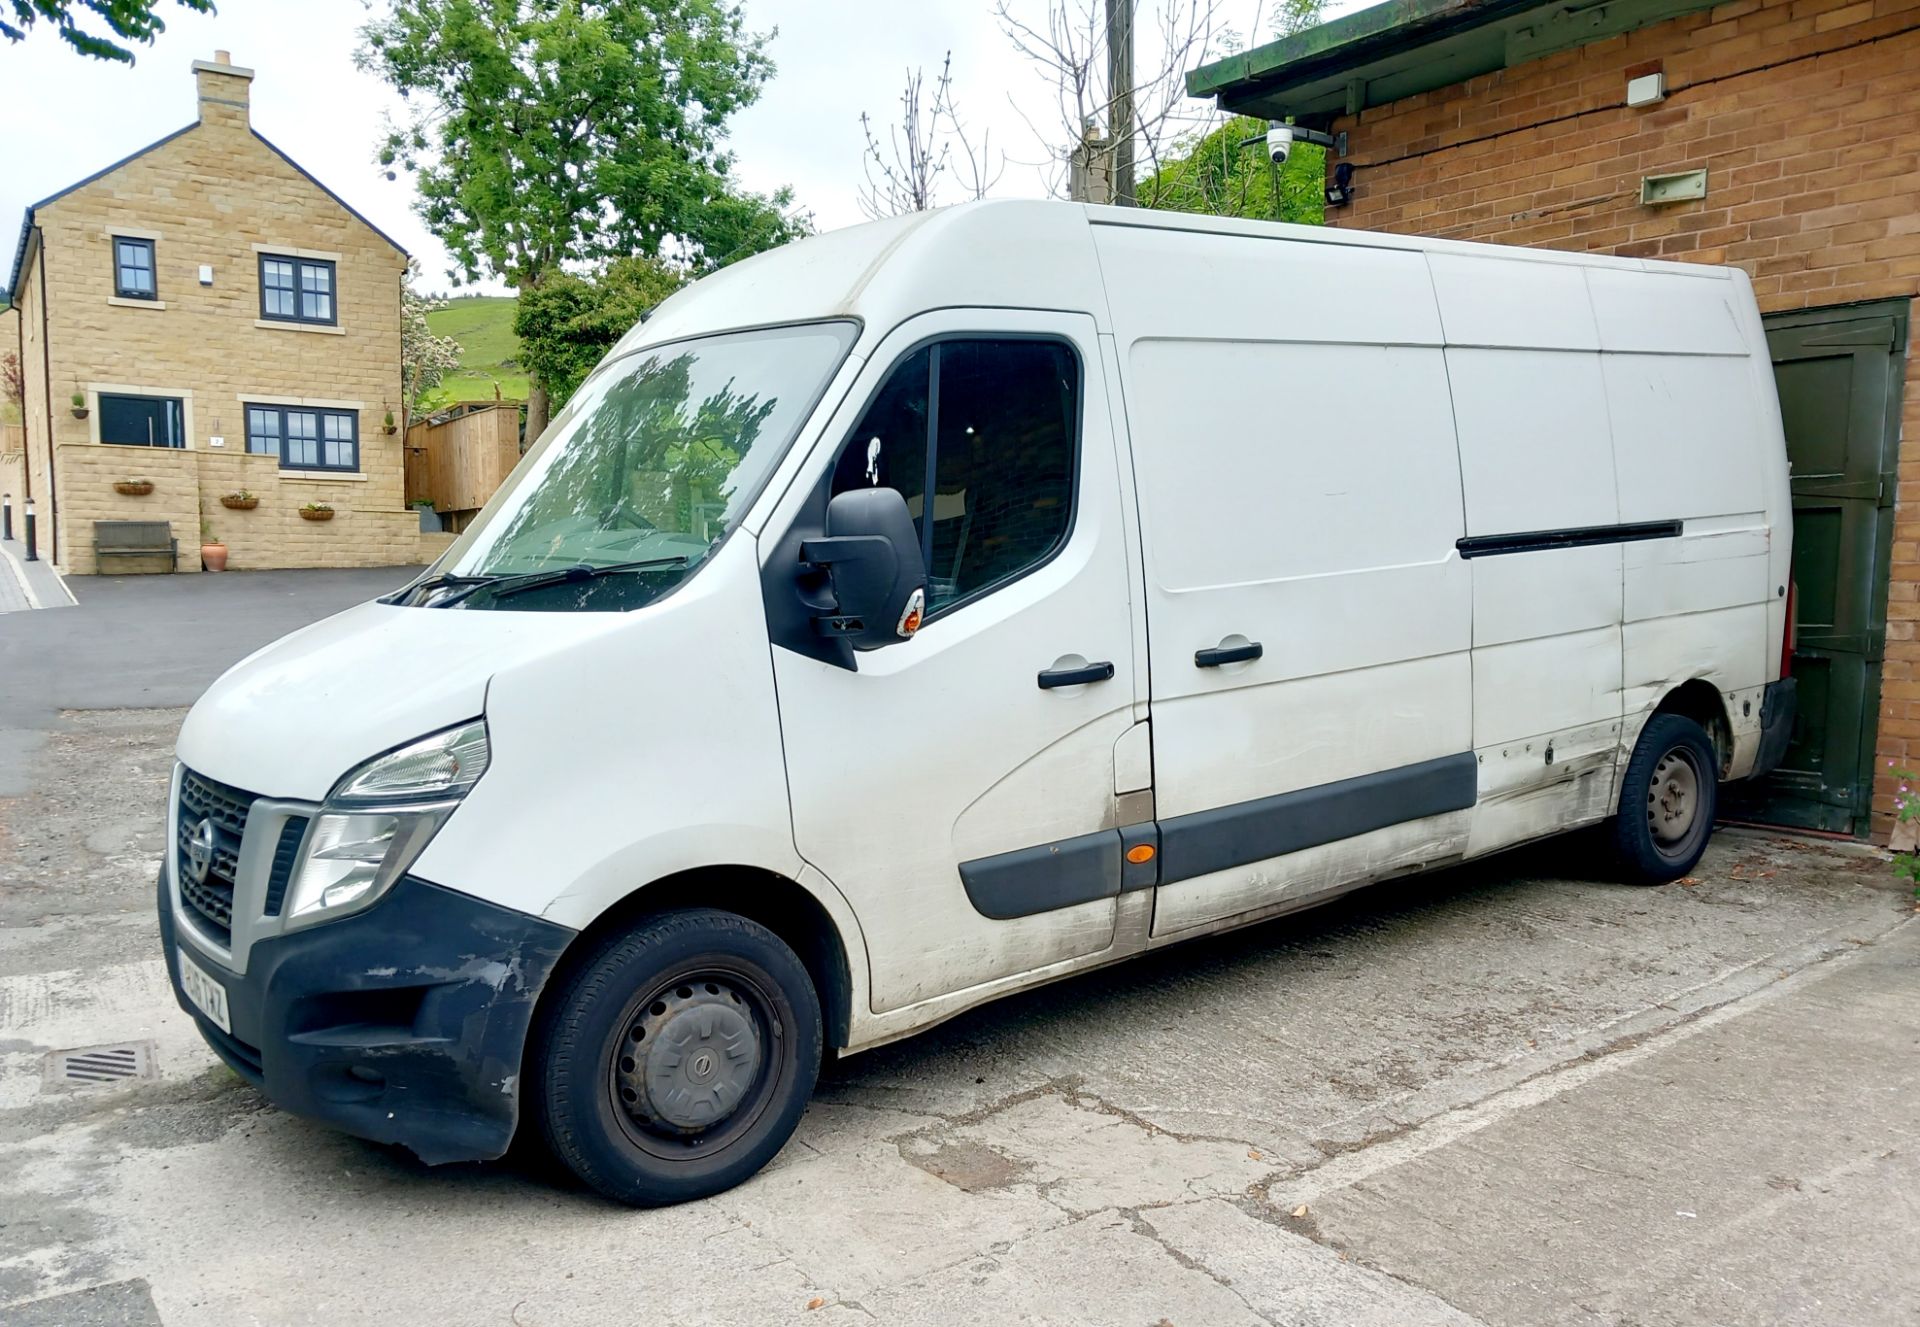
1839 373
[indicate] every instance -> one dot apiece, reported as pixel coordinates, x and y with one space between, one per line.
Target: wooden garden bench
125 539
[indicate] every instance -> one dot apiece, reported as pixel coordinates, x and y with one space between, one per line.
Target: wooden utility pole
1120 97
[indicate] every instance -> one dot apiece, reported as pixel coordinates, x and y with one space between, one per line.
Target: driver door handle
1073 677
1226 654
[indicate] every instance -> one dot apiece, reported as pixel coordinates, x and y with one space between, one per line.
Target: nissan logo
200 851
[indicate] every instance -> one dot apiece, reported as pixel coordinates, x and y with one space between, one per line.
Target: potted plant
133 488
240 500
389 426
213 553
429 518
79 405
316 511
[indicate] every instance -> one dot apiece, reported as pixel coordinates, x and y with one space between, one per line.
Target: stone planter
213 556
133 488
429 520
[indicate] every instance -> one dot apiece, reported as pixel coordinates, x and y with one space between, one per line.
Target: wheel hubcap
1673 799
691 1056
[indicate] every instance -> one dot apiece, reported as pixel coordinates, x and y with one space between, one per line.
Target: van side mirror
872 555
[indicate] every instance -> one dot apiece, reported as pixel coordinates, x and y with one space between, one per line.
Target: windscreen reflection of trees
646 457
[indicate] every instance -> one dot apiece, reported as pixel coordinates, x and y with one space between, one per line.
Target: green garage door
1839 375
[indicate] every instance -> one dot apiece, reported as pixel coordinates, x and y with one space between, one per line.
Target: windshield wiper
411 593
502 586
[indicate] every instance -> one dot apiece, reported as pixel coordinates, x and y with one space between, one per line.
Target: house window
296 290
133 268
305 439
142 421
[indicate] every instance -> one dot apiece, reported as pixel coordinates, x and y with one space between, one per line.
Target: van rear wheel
677 1058
1668 798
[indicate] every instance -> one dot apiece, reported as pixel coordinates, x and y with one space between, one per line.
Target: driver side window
995 424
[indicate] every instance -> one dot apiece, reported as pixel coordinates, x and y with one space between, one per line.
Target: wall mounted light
1340 192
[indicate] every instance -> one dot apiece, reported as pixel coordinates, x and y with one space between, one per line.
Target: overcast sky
835 59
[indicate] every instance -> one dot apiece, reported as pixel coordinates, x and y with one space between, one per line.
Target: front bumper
402 1024
1777 708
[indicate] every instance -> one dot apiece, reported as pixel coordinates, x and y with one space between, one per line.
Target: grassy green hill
483 325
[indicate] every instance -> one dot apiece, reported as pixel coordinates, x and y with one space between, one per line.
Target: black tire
1668 798
735 1049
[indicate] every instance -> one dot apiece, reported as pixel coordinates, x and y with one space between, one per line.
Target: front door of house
1839 373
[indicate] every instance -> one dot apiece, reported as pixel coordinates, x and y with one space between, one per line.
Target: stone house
1782 136
205 316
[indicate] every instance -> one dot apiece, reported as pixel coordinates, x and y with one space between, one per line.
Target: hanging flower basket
133 488
241 501
316 511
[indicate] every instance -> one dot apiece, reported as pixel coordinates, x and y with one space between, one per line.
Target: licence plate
208 995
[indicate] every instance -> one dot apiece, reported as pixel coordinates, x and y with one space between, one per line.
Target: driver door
959 788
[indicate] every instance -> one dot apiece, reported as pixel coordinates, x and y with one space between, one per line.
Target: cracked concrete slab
1287 1278
1764 1168
1099 1270
1083 1157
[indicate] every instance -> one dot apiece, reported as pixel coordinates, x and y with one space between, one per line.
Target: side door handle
1226 654
1074 677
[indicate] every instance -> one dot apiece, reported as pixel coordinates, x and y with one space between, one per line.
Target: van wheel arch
776 902
1701 701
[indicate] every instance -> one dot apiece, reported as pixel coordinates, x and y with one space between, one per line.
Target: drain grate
102 1064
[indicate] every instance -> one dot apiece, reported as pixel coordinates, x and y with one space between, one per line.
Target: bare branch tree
904 175
1069 50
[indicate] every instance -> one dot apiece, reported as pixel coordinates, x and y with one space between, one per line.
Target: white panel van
938 607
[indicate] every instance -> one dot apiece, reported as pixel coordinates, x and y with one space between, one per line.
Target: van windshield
652 463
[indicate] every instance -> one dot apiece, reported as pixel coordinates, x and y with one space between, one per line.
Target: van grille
226 809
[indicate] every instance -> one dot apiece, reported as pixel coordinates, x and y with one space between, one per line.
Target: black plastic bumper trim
402 1024
1777 708
1045 877
1225 837
1039 879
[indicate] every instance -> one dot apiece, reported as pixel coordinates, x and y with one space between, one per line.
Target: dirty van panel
935 781
1840 377
1329 544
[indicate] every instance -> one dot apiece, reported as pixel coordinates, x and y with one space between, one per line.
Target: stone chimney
222 88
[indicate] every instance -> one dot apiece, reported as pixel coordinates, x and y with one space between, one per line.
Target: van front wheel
677 1058
1668 798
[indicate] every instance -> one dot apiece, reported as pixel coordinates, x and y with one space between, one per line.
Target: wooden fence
458 463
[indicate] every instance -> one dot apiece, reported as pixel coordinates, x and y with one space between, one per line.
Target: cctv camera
1279 143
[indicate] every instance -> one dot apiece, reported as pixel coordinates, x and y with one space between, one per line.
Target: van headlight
377 821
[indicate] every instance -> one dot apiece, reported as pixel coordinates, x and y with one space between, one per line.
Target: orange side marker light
1140 853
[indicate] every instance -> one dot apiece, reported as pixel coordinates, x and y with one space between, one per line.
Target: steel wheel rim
1673 799
733 999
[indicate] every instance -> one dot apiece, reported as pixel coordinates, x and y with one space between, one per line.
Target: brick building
1782 136
207 317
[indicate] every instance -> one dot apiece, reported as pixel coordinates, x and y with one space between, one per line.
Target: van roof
1028 254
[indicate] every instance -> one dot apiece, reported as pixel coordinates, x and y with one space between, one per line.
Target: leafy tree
133 20
567 323
425 356
1214 174
548 133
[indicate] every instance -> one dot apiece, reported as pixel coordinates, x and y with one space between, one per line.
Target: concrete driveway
1516 1094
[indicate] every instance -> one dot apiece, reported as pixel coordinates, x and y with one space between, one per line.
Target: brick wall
217 196
1805 115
